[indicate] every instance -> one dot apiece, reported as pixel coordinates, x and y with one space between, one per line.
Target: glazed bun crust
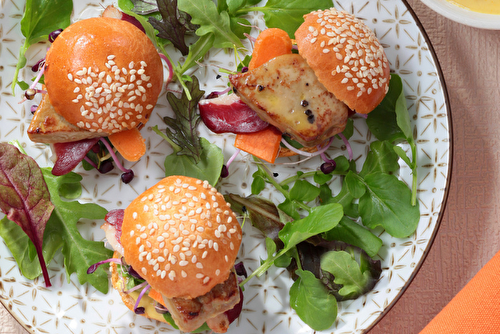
181 236
346 56
103 75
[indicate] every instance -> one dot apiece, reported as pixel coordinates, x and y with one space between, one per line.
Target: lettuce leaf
61 232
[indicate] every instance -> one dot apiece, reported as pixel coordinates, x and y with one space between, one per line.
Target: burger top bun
346 57
103 75
181 236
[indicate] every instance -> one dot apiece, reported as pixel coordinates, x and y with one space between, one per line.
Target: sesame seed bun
181 236
346 56
103 75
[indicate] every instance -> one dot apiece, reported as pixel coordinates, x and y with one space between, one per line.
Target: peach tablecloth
470 231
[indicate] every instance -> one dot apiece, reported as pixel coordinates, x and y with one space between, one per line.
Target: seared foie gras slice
286 93
190 314
47 126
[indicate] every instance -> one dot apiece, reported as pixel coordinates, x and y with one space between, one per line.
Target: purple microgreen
235 154
321 149
136 306
134 273
40 63
161 309
24 197
90 162
137 287
94 267
33 108
216 94
347 145
53 35
113 155
37 79
240 269
365 116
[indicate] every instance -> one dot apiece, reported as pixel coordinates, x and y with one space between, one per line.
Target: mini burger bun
181 236
103 75
127 299
346 56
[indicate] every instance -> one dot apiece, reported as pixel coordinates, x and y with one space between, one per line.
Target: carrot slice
129 143
265 144
156 296
270 43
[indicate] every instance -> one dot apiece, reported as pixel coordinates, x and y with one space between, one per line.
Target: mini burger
175 247
103 77
340 66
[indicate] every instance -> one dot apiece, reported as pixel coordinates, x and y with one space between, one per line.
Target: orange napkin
475 309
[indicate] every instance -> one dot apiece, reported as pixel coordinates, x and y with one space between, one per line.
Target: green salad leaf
40 18
193 156
205 14
312 301
61 232
347 272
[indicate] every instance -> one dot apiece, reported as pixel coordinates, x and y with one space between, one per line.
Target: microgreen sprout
137 309
128 174
94 267
225 168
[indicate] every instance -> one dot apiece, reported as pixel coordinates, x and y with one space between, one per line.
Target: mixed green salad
323 236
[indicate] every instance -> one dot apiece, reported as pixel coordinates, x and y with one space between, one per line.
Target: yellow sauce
481 6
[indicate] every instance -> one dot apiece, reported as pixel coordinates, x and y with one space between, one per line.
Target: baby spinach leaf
322 178
205 14
259 181
312 302
208 167
290 207
345 198
321 219
354 234
304 191
382 121
354 185
347 272
387 203
40 18
381 158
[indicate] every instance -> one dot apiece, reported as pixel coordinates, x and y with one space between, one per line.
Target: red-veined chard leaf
24 197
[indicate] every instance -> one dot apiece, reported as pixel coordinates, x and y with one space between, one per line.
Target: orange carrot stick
265 144
156 296
129 143
270 43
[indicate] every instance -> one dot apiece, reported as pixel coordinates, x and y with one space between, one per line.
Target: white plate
464 16
70 307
